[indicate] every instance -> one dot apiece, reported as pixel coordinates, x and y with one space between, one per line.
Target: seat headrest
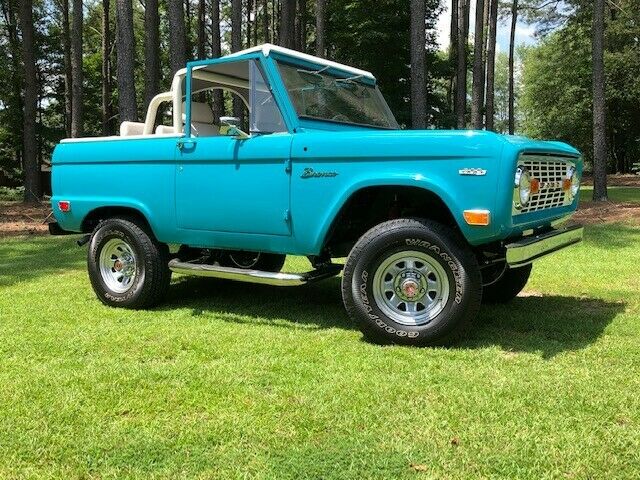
200 113
164 130
131 128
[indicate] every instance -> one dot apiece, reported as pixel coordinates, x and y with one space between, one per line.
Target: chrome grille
550 172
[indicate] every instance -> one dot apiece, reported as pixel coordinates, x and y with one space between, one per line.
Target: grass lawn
616 194
235 381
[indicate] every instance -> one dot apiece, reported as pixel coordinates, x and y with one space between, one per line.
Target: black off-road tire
445 247
508 286
152 274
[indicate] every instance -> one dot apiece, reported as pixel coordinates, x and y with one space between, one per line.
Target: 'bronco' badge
311 173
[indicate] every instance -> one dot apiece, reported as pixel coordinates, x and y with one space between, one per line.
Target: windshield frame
365 81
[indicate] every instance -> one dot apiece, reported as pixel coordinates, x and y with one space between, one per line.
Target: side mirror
233 131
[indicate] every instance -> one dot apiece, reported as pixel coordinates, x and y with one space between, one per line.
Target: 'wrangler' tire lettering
442 246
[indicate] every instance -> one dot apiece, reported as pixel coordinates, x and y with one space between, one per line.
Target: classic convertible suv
314 164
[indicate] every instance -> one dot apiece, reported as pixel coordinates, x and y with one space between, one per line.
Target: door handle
186 144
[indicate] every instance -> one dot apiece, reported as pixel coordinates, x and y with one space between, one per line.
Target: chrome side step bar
279 279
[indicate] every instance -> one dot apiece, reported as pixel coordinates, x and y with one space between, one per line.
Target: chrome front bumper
531 248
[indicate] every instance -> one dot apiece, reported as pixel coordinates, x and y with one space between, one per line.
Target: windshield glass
318 95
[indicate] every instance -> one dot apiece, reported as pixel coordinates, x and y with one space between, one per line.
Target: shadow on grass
312 306
547 324
23 259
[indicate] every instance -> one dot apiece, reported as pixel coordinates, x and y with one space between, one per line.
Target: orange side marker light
477 217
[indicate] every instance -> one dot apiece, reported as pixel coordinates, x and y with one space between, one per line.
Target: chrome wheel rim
117 265
411 288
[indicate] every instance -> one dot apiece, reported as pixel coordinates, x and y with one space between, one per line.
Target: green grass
616 194
235 381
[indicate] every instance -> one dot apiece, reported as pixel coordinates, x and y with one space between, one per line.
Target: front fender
439 178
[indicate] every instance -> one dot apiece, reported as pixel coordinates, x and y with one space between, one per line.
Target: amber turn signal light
535 186
477 217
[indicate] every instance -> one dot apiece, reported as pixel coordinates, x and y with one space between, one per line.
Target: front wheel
411 281
127 266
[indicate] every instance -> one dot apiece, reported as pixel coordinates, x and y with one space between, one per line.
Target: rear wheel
507 286
127 266
411 281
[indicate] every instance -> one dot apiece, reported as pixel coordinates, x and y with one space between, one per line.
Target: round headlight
575 182
523 184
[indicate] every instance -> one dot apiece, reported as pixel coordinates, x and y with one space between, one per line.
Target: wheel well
103 213
373 205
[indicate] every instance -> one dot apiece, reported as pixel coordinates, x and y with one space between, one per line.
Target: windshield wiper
350 79
312 72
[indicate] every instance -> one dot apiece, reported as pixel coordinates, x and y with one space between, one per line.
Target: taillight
64 206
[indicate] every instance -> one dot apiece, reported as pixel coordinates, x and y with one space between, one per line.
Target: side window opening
215 90
265 114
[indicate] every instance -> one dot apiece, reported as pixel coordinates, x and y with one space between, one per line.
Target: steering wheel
339 118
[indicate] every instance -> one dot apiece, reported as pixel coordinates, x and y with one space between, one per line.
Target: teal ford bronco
313 163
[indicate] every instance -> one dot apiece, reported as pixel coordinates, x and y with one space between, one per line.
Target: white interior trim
118 137
152 110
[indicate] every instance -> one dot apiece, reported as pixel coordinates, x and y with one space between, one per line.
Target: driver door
229 184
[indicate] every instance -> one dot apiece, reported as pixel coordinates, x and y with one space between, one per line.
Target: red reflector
64 205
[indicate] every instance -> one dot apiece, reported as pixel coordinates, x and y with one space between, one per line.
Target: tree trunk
287 19
255 22
236 44
201 29
599 105
512 51
66 47
265 20
151 51
32 188
249 29
274 25
491 65
418 85
321 13
16 69
187 37
461 82
453 50
126 55
216 51
106 68
216 47
76 71
236 25
485 39
477 89
177 36
301 33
